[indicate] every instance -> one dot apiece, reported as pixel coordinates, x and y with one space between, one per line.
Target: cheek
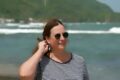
66 41
53 42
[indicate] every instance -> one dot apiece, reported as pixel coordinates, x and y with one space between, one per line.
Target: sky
114 4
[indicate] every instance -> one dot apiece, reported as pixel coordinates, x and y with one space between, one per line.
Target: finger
46 48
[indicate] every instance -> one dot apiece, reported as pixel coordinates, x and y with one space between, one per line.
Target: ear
47 39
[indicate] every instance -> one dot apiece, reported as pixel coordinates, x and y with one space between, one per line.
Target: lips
61 43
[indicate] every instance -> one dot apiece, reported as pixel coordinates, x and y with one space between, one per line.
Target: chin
62 47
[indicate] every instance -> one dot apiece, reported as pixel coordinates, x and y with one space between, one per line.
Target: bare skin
28 68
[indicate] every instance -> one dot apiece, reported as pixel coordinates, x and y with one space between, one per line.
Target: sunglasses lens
65 35
57 36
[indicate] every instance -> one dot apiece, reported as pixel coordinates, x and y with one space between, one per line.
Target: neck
58 53
60 56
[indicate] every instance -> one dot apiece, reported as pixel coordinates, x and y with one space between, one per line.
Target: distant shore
8 78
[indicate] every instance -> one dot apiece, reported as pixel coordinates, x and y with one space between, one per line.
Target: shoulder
78 58
45 59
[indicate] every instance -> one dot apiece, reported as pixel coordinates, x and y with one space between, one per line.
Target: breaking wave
113 30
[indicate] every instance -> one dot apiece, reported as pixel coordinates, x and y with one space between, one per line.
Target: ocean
98 43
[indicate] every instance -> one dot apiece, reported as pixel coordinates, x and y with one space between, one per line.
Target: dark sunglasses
65 35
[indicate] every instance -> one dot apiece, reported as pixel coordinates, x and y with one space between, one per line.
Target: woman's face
57 37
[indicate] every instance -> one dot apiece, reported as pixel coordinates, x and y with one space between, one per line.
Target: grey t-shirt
75 69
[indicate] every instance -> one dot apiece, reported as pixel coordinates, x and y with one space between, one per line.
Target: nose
62 37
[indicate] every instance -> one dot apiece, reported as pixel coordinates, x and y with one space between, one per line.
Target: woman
51 61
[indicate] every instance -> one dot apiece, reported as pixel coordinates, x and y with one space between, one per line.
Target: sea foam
113 30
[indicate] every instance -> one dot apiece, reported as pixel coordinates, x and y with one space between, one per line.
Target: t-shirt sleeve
82 63
38 72
85 72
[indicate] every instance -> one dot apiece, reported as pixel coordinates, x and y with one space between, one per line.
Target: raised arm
27 70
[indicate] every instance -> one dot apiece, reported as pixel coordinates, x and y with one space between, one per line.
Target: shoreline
8 78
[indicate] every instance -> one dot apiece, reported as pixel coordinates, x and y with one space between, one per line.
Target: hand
43 47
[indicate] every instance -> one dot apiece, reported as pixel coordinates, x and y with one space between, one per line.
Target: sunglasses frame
58 35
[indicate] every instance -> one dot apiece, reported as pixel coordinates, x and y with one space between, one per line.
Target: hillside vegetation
67 10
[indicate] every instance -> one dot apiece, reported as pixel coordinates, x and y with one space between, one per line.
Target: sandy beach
8 72
8 78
